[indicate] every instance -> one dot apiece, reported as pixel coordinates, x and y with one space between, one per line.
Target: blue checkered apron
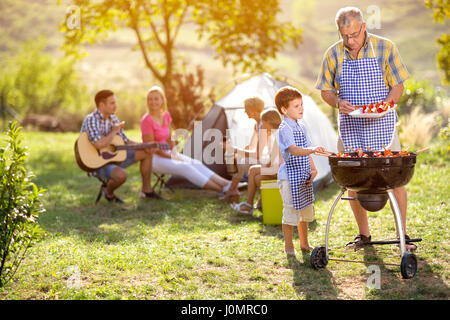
362 83
299 171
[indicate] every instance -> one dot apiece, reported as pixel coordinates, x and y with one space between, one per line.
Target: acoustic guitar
91 159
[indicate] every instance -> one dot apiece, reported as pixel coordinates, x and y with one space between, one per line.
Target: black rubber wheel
318 258
408 265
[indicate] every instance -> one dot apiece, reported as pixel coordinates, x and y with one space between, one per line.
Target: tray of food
373 110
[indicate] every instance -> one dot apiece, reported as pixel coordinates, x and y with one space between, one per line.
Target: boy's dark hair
285 95
102 95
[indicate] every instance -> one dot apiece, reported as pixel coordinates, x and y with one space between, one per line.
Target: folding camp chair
160 183
103 185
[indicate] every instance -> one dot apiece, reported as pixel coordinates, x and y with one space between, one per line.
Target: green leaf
19 206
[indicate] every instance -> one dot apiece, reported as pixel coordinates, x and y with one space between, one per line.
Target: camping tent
228 114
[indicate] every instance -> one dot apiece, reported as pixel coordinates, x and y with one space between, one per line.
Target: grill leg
398 221
329 220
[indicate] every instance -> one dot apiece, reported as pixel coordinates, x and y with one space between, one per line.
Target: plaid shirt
97 126
388 57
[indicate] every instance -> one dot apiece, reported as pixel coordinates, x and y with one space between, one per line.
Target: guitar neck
152 145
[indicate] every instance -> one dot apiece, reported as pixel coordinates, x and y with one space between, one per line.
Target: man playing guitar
102 126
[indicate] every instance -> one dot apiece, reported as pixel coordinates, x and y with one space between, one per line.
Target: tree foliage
19 206
22 20
187 97
441 12
243 33
421 94
33 81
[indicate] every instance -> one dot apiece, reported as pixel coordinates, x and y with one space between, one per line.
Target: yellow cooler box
272 205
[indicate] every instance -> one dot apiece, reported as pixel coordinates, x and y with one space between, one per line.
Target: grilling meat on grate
376 154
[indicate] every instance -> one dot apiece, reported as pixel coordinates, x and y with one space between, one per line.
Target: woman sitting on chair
155 127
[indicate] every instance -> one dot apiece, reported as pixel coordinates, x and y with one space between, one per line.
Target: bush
186 98
132 107
419 94
32 81
417 128
19 206
444 139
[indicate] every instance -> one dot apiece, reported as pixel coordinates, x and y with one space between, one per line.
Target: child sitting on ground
270 159
296 175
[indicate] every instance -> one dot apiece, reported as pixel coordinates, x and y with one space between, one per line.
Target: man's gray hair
345 15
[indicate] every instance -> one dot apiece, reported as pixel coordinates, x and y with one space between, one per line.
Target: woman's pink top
160 133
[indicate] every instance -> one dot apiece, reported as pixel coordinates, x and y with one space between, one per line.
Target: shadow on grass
424 285
313 284
113 223
71 208
320 284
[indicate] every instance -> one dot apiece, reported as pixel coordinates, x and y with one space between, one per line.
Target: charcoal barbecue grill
373 179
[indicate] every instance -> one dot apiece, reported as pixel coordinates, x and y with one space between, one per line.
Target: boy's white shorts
291 216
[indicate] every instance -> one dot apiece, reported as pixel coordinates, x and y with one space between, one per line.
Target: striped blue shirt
285 139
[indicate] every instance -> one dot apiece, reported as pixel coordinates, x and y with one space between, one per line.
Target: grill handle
349 163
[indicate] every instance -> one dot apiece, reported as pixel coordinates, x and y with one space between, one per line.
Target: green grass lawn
193 246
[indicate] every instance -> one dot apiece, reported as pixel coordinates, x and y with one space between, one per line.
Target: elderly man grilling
361 69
